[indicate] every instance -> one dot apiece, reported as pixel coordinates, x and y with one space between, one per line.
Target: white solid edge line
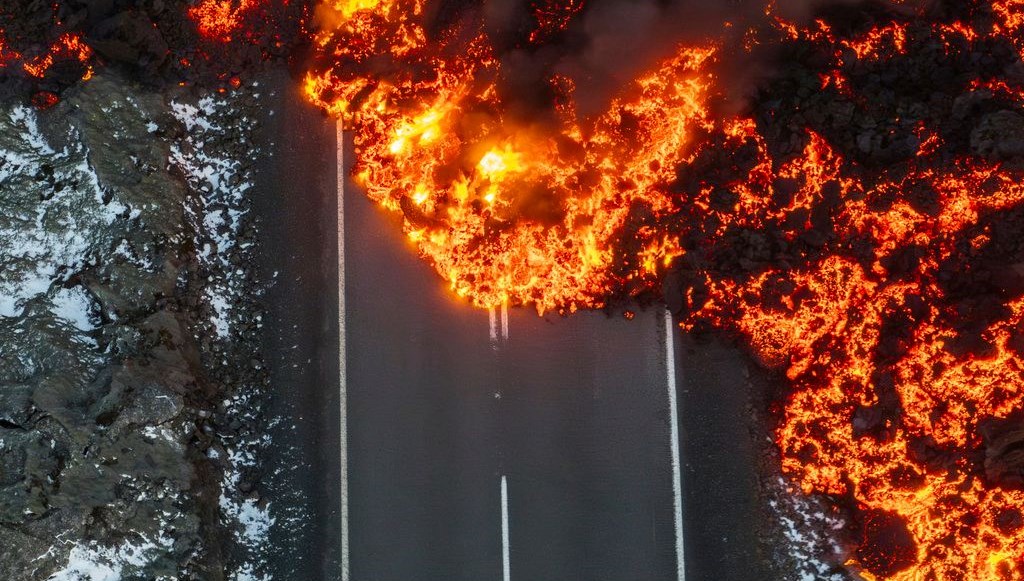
342 363
506 571
677 485
493 320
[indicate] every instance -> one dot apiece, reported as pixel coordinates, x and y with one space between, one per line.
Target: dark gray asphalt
574 412
423 462
295 199
586 445
721 436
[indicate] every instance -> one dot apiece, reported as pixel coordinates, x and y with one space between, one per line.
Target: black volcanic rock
1004 452
1000 135
99 378
887 546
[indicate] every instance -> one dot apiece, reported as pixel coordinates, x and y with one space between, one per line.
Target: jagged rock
1004 452
999 136
16 407
94 410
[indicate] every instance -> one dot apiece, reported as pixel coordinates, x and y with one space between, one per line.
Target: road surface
486 446
295 199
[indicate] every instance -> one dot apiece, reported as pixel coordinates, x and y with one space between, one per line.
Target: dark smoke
612 42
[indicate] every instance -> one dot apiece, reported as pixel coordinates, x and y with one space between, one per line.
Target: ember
219 19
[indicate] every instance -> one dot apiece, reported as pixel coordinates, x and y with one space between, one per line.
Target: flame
507 213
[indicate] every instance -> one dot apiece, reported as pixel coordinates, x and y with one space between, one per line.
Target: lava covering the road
508 210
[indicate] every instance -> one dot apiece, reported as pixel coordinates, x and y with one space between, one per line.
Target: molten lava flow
870 346
895 372
891 38
68 47
1010 20
506 212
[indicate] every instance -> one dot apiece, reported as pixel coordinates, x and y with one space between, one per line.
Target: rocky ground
128 429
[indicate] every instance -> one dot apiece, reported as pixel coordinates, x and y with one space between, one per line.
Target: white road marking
493 319
506 572
504 321
677 481
342 363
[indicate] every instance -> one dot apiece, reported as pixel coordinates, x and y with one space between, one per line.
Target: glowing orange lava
69 46
888 406
507 213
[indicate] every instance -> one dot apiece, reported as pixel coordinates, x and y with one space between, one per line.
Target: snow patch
811 530
95 563
75 306
55 206
208 157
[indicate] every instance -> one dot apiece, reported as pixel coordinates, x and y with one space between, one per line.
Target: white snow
246 573
53 240
809 528
88 565
162 432
197 116
221 310
222 185
74 305
26 116
91 562
255 521
214 130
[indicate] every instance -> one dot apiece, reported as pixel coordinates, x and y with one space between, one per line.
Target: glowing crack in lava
841 275
68 47
863 424
900 374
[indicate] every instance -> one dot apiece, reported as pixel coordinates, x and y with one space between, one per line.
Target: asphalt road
722 398
295 199
572 412
481 446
